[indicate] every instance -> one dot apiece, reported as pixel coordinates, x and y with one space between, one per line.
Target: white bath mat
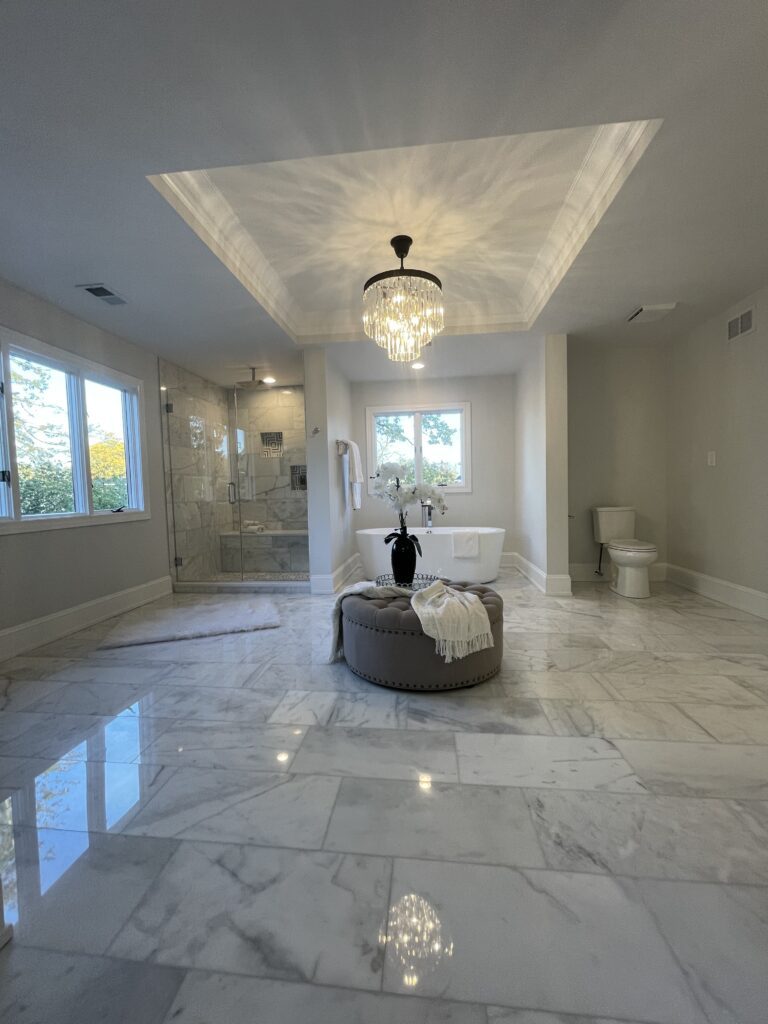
215 616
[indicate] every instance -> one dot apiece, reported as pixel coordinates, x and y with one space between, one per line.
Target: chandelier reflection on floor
403 309
416 938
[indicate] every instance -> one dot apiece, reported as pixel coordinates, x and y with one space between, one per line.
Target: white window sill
442 490
70 522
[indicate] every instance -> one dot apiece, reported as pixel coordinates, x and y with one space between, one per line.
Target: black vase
404 550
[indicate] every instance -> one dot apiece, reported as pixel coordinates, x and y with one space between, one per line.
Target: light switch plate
711 458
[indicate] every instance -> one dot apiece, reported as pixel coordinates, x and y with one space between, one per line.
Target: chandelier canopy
403 309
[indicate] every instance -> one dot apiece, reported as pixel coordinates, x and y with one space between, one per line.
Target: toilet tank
612 522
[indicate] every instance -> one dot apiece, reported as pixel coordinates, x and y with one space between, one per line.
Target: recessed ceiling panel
499 220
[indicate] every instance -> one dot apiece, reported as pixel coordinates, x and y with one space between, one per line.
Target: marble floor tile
515 639
210 703
206 674
377 753
312 917
93 698
561 942
554 685
239 807
547 761
699 769
40 987
303 707
476 713
731 724
679 689
200 744
719 935
369 711
18 694
434 820
652 837
59 872
622 720
90 670
227 999
63 795
500 1015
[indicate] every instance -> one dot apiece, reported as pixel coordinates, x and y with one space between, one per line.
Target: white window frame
372 411
78 370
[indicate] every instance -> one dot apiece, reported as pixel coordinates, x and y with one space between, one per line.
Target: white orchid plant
390 487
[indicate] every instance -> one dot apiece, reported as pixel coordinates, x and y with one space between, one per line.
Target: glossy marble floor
230 831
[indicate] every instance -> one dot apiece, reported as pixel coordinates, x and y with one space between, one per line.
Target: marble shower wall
197 470
265 483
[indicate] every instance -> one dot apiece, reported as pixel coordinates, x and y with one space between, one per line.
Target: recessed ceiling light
269 380
287 391
163 387
417 366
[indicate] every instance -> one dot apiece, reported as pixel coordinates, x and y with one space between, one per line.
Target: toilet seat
630 544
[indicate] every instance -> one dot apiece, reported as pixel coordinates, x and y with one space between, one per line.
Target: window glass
106 445
43 444
395 441
441 447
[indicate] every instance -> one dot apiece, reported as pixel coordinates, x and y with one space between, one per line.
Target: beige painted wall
617 439
48 571
717 396
491 501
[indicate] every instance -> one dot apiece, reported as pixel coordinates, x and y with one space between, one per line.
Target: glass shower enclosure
236 480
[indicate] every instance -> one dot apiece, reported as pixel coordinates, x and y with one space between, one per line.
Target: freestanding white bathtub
437 548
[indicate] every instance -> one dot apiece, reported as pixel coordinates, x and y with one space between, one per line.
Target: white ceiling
499 220
96 98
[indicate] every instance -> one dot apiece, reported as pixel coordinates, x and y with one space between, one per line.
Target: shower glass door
269 442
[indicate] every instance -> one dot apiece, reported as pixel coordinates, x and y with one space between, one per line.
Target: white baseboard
584 572
744 598
553 585
331 583
37 632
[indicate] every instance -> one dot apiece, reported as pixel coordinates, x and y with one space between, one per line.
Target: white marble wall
197 470
265 484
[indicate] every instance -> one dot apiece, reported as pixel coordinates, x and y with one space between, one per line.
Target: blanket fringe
453 650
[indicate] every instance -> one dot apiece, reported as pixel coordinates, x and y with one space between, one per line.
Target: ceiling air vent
100 291
647 314
744 323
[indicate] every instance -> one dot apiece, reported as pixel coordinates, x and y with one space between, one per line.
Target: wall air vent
646 314
744 323
100 291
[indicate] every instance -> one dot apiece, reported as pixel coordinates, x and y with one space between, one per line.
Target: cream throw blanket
457 621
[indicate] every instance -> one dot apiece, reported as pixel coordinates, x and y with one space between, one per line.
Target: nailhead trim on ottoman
385 644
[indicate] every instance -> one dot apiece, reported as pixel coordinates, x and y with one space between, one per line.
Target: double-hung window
70 439
431 443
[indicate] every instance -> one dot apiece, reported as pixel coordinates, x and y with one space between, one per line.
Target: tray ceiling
499 220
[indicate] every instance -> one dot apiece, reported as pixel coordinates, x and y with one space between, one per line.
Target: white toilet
615 527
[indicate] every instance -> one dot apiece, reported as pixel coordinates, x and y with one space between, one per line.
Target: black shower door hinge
5 476
177 561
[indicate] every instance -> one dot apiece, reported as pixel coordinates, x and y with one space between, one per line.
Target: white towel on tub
466 543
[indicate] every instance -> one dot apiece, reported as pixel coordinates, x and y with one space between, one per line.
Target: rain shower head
255 382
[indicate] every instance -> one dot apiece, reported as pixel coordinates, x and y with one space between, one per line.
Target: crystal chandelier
403 309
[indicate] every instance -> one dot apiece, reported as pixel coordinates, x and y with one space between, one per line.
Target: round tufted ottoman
384 643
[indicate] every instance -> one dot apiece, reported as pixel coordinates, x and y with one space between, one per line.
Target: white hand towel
458 621
356 478
466 543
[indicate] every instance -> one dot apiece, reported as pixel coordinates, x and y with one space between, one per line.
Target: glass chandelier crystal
403 309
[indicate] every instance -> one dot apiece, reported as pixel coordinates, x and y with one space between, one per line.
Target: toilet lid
632 545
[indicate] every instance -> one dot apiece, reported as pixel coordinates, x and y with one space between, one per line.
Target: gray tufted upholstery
384 643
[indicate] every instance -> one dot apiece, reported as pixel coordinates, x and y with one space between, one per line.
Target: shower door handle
232 493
